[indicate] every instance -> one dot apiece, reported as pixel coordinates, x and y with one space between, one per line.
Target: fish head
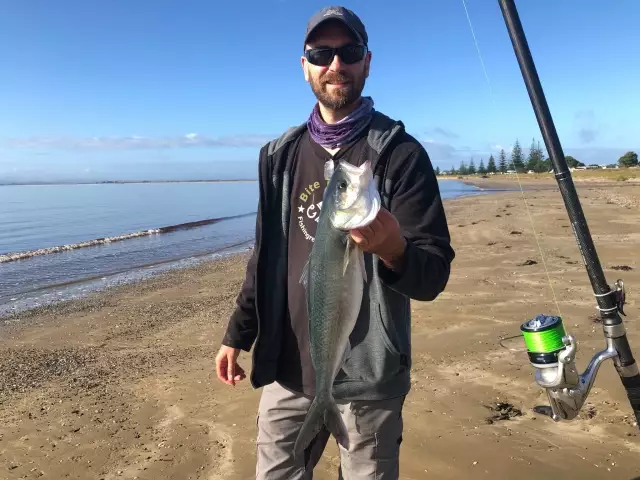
353 196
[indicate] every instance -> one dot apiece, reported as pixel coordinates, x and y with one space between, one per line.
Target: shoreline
115 281
121 384
486 187
138 273
23 255
172 267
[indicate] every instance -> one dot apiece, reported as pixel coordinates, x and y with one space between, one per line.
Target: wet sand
122 384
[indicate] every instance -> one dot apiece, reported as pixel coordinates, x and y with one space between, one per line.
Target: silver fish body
335 278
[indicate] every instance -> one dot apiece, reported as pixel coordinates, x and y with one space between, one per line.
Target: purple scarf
342 132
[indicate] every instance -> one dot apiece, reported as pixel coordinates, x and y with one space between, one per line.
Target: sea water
35 221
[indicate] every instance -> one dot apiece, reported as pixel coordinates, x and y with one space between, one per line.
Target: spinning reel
552 352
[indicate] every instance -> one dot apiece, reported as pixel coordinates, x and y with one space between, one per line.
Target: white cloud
135 142
497 147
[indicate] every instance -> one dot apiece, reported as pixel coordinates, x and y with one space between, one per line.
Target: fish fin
304 277
346 354
347 255
310 428
335 424
363 266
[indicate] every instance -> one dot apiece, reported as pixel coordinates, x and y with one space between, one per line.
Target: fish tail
335 424
321 412
310 427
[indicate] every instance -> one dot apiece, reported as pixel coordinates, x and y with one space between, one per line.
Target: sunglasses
323 56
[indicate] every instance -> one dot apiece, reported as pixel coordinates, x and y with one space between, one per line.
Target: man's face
337 84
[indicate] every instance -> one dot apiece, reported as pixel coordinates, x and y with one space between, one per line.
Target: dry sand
122 384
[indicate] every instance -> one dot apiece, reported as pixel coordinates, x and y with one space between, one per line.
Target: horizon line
120 182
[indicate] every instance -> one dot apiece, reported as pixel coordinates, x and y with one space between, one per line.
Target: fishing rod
552 352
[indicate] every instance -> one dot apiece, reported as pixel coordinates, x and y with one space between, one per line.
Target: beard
337 98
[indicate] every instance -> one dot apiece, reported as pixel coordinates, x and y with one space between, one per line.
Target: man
408 256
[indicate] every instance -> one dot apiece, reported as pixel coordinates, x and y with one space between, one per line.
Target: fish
334 278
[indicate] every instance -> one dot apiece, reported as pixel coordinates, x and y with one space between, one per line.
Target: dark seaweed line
12 257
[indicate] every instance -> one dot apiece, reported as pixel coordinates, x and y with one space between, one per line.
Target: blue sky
122 89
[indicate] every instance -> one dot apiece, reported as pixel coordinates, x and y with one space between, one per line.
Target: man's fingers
222 369
377 225
227 368
359 237
230 367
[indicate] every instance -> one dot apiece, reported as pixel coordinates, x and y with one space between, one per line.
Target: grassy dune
620 175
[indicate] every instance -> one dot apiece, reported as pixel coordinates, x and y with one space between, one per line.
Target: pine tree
535 161
503 161
491 167
463 168
437 170
481 168
472 167
517 160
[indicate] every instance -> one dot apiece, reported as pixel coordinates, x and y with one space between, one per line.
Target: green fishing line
543 334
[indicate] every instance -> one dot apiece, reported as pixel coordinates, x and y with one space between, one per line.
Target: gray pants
375 434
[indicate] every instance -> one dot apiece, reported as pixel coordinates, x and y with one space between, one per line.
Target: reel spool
543 338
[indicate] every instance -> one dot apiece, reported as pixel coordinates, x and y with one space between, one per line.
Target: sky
124 90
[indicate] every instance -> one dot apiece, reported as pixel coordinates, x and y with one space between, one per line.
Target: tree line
537 161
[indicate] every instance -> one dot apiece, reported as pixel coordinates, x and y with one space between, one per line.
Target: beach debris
543 410
515 232
502 411
527 262
491 243
589 412
625 268
334 278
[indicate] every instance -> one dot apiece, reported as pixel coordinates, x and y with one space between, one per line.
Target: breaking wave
11 257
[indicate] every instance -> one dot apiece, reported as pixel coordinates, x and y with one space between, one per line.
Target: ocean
60 242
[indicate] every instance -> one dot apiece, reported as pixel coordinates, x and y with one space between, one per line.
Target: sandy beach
122 384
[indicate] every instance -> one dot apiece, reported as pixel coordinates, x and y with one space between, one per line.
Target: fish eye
342 184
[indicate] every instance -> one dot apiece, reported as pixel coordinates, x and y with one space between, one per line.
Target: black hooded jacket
379 363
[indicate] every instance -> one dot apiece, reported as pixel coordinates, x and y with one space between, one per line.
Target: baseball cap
341 14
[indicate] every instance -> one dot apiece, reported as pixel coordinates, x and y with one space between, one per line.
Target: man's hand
382 238
227 367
